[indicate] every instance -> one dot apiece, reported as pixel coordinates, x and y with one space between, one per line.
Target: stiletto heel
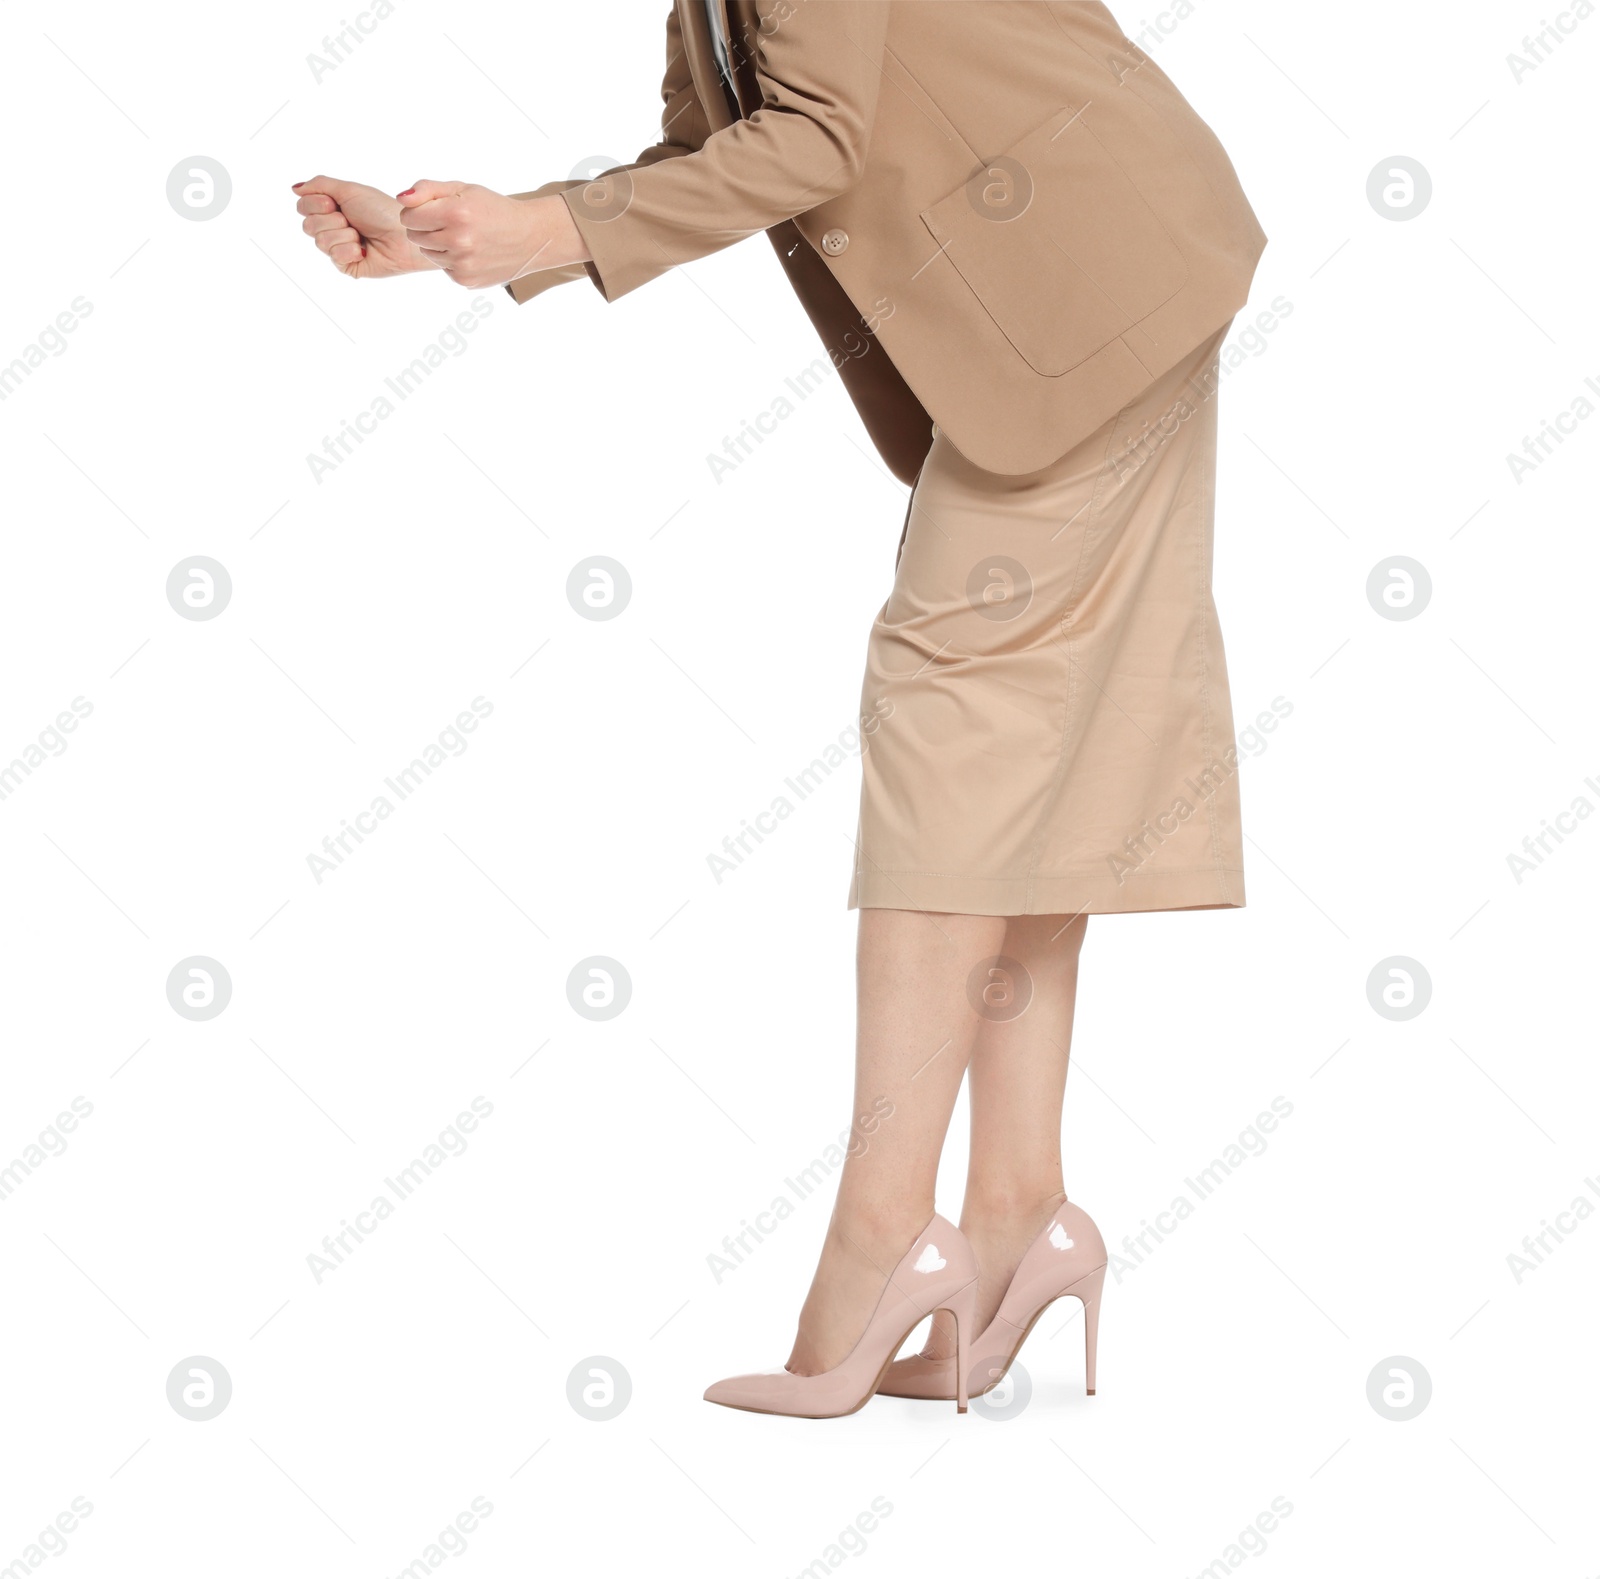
963 1306
1088 1290
938 1272
1068 1257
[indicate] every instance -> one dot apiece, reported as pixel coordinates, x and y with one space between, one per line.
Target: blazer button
834 242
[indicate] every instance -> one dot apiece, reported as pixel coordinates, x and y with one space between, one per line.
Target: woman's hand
359 228
480 238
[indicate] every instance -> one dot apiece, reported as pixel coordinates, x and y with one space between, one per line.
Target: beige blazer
1000 215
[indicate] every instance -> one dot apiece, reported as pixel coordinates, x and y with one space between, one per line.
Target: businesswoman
1021 248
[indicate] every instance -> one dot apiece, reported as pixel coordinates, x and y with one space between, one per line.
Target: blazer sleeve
819 66
683 127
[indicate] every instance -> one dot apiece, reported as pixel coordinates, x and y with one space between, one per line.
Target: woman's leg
916 1025
1016 1083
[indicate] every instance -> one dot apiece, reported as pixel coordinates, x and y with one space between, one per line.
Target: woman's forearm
554 238
479 237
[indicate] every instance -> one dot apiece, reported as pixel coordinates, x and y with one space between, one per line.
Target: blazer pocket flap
1058 245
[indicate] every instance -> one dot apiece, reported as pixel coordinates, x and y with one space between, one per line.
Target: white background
370 1409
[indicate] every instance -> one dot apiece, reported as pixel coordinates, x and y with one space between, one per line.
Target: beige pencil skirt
1046 721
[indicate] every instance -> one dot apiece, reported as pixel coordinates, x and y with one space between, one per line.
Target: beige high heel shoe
938 1272
1068 1257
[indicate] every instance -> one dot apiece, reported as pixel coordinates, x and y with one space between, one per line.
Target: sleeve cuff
531 285
622 256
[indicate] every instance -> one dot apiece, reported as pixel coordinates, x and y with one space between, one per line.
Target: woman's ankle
1012 1205
880 1228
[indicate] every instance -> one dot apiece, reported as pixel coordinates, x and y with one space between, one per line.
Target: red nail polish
296 187
410 191
363 250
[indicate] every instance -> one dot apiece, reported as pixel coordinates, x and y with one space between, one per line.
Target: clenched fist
359 228
480 238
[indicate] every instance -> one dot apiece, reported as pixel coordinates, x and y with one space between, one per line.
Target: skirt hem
1207 888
